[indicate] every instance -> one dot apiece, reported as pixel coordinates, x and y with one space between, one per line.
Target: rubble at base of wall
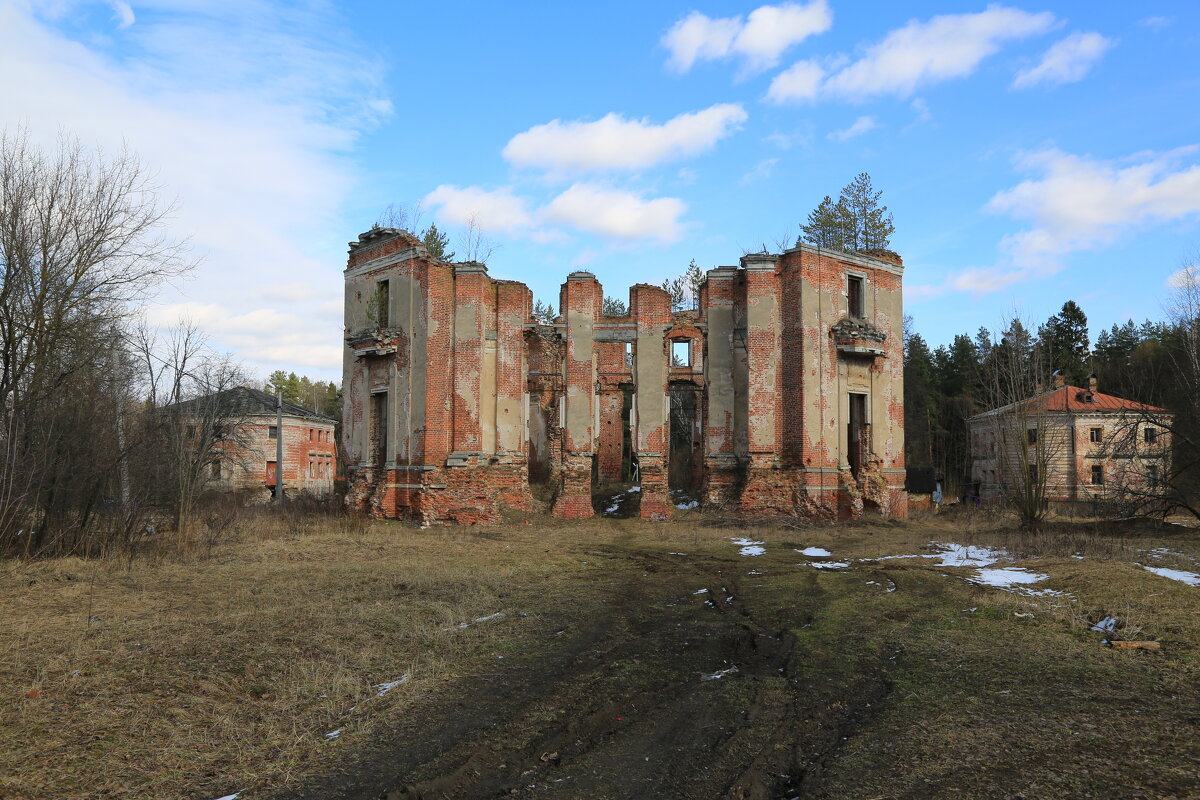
473 495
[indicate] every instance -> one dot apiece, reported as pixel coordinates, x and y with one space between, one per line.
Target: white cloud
122 13
920 53
801 81
497 210
243 116
1156 24
858 128
1186 278
761 171
922 109
273 336
617 214
614 142
759 41
1067 61
1079 203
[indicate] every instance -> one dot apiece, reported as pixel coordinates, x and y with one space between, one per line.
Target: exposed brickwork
799 402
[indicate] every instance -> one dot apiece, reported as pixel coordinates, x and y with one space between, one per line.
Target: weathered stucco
478 392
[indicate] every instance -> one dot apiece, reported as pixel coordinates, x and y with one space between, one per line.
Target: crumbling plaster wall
474 386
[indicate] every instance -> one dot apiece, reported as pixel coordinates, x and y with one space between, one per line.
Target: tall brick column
471 283
513 304
720 461
580 303
766 490
651 310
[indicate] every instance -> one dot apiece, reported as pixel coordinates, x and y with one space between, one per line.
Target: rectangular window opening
854 296
1096 435
1097 475
1033 474
1150 435
272 432
1032 433
382 303
1152 475
379 427
681 353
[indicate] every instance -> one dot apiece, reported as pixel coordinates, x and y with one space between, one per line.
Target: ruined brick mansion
780 393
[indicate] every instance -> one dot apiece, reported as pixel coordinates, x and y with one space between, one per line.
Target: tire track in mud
630 705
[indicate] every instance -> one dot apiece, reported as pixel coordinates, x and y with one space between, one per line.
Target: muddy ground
687 670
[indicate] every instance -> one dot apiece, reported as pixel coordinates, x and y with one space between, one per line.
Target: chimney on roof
1060 380
1093 382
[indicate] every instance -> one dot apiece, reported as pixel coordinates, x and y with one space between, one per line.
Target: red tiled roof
1072 398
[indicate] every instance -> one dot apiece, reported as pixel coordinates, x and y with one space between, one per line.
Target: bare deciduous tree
82 242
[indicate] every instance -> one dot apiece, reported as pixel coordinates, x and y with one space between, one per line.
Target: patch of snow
1190 578
1006 577
677 554
612 508
490 617
700 591
719 674
383 688
872 583
688 506
749 548
333 734
814 551
755 572
233 796
633 489
1077 555
829 564
957 555
1106 625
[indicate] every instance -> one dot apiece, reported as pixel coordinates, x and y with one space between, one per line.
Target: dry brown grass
192 672
169 678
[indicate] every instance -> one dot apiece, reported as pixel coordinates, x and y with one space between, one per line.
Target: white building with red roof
1077 446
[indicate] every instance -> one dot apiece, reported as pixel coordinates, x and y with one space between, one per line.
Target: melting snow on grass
829 564
1006 577
383 688
333 734
749 548
688 506
1190 578
814 551
957 555
233 796
718 674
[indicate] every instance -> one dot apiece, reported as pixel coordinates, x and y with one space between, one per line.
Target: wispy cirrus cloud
1067 61
921 53
246 111
758 42
857 128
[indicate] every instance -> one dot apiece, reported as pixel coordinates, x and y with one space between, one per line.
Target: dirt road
700 676
676 688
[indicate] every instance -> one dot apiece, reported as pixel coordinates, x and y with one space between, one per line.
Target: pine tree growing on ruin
437 243
855 223
825 226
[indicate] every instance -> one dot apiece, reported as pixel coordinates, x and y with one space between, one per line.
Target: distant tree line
1155 362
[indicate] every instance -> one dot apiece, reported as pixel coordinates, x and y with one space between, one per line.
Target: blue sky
1030 152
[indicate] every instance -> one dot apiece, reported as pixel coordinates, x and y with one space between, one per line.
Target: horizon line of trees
1155 362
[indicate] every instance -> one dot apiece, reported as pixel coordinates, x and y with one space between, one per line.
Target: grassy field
196 676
